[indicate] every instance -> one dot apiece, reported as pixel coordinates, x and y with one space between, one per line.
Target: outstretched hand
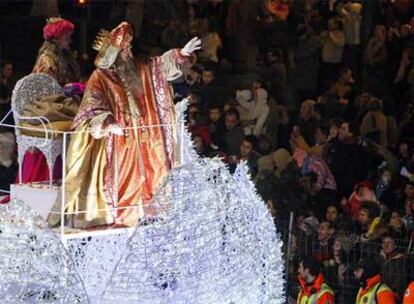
191 46
99 131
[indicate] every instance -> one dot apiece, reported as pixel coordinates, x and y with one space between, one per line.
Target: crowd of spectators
317 98
324 124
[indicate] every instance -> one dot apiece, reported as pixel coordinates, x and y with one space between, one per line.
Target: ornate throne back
27 90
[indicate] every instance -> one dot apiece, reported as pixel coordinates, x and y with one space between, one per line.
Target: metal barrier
340 254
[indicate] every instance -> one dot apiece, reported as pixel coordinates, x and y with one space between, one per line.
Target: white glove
98 131
191 46
115 129
186 100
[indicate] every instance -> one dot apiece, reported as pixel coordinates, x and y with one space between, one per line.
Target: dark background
21 32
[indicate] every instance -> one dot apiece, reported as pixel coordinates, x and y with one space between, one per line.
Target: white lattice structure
28 89
95 255
34 265
214 243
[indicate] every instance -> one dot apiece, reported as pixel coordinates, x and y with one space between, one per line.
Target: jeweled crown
101 40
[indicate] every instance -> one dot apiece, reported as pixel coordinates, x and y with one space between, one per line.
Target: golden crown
101 40
53 20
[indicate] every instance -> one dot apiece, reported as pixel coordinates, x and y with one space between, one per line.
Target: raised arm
174 59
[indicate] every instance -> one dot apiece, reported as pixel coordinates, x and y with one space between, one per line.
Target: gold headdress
53 19
109 44
101 40
107 53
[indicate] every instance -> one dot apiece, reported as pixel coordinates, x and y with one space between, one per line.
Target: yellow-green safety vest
371 296
313 299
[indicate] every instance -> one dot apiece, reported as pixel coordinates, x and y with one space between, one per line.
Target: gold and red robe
60 64
114 178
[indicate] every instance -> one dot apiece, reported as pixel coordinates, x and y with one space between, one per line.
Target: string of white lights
215 244
34 265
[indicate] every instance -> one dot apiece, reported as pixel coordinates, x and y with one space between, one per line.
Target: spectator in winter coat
343 282
393 265
340 222
307 122
307 54
322 190
385 189
323 245
279 172
351 19
374 123
346 159
211 43
363 191
248 155
275 74
210 92
321 136
408 205
253 108
397 228
232 136
332 49
375 60
284 128
215 122
373 227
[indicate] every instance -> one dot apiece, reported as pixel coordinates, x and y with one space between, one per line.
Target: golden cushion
64 125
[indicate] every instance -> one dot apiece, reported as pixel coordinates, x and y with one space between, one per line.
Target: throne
43 137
